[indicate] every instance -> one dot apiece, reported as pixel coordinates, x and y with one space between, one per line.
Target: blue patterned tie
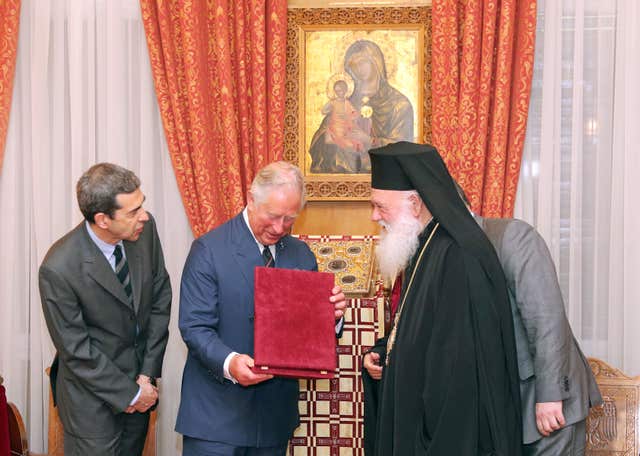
268 258
122 270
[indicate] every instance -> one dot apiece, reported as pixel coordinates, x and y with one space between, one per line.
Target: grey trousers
129 441
569 441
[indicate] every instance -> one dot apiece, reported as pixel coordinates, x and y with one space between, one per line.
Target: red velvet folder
5 438
294 323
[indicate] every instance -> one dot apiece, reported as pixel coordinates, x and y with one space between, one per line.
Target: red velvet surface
294 325
4 424
395 295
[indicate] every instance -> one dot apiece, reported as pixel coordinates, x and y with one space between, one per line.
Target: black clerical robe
371 393
446 389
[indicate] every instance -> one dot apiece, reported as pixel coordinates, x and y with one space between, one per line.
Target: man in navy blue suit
225 408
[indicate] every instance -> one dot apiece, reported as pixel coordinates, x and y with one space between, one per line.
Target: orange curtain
482 64
219 72
9 19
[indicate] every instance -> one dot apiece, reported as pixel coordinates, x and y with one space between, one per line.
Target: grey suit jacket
102 341
551 365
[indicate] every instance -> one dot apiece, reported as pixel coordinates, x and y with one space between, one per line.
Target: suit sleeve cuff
548 390
225 367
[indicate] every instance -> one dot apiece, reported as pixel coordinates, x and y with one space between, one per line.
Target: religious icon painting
356 80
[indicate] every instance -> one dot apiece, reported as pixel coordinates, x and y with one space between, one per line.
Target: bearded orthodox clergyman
450 380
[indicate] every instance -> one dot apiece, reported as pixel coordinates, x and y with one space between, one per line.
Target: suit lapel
135 269
99 268
283 257
245 249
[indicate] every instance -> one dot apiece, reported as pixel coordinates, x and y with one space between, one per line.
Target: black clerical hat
387 172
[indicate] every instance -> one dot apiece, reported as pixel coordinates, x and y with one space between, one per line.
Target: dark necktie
268 258
122 270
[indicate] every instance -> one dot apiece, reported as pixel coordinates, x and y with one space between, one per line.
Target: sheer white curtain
83 94
581 167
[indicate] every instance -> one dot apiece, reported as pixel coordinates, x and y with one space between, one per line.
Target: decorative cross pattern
331 411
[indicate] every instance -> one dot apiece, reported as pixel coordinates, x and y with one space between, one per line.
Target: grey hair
276 175
410 193
98 187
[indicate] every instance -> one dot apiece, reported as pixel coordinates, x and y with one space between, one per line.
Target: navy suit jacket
216 318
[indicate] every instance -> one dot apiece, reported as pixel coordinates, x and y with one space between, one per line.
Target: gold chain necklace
392 336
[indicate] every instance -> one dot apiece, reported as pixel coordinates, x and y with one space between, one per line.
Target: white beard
398 243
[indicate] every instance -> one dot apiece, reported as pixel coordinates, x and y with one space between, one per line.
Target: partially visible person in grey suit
557 387
106 299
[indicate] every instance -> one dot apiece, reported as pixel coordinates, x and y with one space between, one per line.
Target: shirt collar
272 248
106 248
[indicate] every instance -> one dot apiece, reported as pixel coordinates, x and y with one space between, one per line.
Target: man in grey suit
557 387
106 299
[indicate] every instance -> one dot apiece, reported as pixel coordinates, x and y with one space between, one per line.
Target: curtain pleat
9 19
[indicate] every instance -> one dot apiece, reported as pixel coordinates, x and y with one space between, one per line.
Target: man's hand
549 417
148 396
339 302
143 379
372 364
240 367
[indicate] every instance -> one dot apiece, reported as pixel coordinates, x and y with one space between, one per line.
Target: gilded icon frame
386 27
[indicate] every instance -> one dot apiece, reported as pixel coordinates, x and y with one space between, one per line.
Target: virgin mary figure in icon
364 111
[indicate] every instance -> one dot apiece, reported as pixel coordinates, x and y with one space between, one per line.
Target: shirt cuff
225 367
137 396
